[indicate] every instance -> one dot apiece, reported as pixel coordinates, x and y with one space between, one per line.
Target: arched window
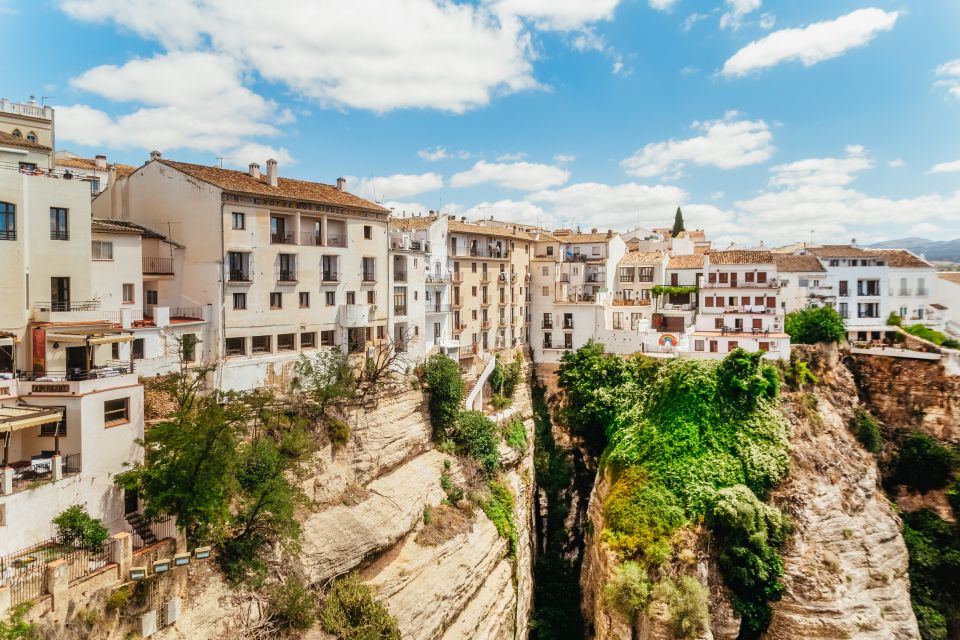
32 137
17 134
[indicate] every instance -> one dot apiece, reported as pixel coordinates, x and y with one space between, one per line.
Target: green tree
325 378
677 224
586 376
743 379
687 610
291 605
923 463
934 547
628 590
15 627
476 436
810 326
76 528
351 613
447 392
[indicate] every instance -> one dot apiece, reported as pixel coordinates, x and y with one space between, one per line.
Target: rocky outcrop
846 563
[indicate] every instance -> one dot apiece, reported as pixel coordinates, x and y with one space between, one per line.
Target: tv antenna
220 159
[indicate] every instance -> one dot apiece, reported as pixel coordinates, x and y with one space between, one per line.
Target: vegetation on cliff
688 441
810 326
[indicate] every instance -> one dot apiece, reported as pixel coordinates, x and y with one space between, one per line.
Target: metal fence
24 571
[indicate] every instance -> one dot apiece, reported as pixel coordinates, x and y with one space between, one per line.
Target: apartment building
489 267
804 282
407 259
288 266
740 306
910 286
861 282
573 279
94 171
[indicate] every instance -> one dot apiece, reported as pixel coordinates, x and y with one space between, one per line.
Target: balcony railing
186 313
438 308
773 284
457 277
414 245
286 275
457 303
310 239
111 369
27 474
63 306
8 234
59 234
441 278
547 324
484 325
157 266
239 276
568 324
281 238
485 302
330 276
480 252
336 240
370 276
399 309
398 276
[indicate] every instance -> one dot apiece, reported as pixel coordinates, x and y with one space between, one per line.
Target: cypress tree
677 223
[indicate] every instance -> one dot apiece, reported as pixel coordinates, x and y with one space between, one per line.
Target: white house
804 282
947 300
910 286
861 280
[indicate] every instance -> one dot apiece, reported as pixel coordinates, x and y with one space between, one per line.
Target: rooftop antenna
221 159
43 100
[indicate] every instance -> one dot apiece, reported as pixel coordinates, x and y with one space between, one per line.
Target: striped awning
14 418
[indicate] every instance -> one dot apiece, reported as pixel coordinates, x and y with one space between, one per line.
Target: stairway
142 529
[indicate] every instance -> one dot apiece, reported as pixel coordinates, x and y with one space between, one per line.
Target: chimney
272 172
609 233
341 183
853 242
254 170
594 230
112 173
154 155
100 161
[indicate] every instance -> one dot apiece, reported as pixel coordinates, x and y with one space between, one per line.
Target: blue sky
765 120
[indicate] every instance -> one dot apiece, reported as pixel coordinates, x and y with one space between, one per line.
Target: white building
740 306
93 171
804 282
910 286
947 296
407 259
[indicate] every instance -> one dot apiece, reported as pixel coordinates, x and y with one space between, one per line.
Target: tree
447 391
586 376
810 326
387 356
326 378
923 463
677 224
476 436
76 528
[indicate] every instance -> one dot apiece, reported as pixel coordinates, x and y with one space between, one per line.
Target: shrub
447 392
686 600
351 613
498 505
931 335
628 590
446 522
499 403
923 463
743 378
641 516
810 326
934 572
325 378
865 429
798 374
76 528
15 627
894 320
338 431
953 497
427 513
515 434
291 605
118 599
476 436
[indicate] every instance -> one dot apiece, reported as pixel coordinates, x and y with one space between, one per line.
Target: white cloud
736 10
811 44
924 229
946 167
662 5
822 171
193 101
726 143
768 20
693 19
512 157
563 158
520 211
441 153
949 72
399 185
526 176
365 54
408 208
558 15
897 163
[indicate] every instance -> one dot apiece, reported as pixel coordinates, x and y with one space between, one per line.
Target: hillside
929 249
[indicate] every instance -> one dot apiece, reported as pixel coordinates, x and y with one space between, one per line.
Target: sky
772 121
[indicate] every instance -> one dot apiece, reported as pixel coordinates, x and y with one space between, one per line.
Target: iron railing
281 238
158 266
59 234
310 239
330 276
239 276
186 313
336 240
63 306
286 275
106 370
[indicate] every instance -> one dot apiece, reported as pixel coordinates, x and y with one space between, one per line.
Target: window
547 341
102 250
326 338
868 288
367 232
372 296
17 134
549 250
239 301
304 299
53 429
330 298
834 263
328 265
128 293
595 251
236 346
137 349
188 347
276 300
868 310
116 412
351 297
308 339
260 344
31 137
400 301
94 186
626 274
8 221
28 167
115 351
287 267
369 269
239 266
698 345
844 312
843 289
58 224
546 291
473 267
239 220
381 332
285 342
568 341
645 274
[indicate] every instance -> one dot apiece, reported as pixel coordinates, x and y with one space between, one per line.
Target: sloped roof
840 251
740 256
103 225
91 165
413 223
458 226
694 261
902 258
950 276
642 257
243 182
789 263
583 238
544 259
10 140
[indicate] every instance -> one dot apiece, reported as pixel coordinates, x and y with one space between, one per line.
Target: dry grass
446 523
353 495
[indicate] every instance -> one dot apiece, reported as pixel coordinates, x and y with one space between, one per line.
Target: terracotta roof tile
456 226
840 251
103 225
242 182
950 276
902 258
10 140
583 238
740 256
91 165
642 257
686 262
789 263
413 223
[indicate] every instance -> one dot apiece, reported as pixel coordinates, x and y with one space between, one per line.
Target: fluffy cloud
526 176
946 167
726 143
399 185
192 100
662 5
949 77
512 157
897 163
811 44
441 153
736 10
365 54
558 15
563 158
521 211
822 171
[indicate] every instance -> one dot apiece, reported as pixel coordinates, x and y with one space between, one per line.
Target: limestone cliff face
846 563
370 496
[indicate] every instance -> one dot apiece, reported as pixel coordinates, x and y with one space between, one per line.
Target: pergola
18 417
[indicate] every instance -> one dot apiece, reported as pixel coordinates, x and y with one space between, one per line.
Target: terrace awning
15 418
98 335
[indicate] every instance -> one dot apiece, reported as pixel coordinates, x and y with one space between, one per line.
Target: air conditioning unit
373 308
148 624
171 611
406 242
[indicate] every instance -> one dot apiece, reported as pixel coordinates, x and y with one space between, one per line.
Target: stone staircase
142 529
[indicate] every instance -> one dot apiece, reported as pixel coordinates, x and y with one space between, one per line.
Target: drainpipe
221 340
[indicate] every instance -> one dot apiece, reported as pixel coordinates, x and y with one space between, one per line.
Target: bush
640 517
865 429
810 326
894 320
923 463
76 528
476 436
628 590
119 598
15 627
515 434
499 403
743 378
931 335
447 392
351 613
325 378
498 504
291 605
686 600
338 431
934 572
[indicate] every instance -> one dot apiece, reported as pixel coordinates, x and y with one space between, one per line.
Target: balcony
286 275
468 352
281 238
568 325
59 234
457 304
441 278
399 309
240 276
28 474
157 266
485 325
310 239
336 240
414 245
456 277
399 276
110 369
502 322
480 252
438 308
485 278
330 276
371 276
355 316
67 311
485 302
503 303
547 324
773 284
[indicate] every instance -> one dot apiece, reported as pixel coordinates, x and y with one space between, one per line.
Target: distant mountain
929 249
